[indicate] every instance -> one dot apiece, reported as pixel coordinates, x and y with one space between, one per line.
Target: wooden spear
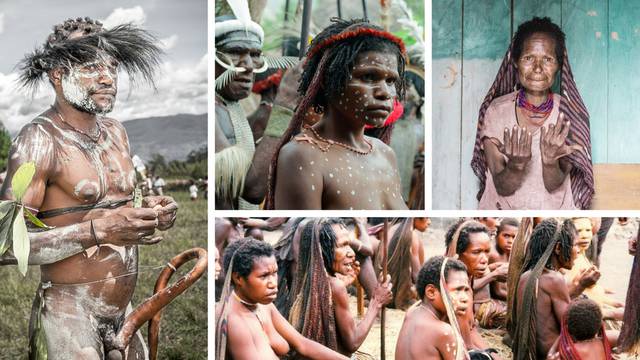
306 21
385 242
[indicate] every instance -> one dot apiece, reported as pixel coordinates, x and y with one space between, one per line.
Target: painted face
459 290
585 234
421 224
505 238
368 96
344 256
92 87
476 256
261 286
537 65
243 56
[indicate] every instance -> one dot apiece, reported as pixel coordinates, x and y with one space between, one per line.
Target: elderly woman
248 325
533 149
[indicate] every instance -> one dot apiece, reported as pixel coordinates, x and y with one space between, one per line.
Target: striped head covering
582 184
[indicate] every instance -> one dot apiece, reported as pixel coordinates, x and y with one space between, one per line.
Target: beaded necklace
535 112
330 142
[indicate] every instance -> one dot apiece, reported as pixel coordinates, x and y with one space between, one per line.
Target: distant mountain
171 136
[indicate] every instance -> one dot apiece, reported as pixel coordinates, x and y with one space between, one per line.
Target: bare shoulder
338 289
552 281
298 152
381 147
111 124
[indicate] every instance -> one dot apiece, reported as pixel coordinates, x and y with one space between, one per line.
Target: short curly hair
246 251
584 319
539 25
430 273
463 239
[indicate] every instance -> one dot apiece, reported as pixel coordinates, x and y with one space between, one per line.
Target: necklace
93 138
332 142
253 307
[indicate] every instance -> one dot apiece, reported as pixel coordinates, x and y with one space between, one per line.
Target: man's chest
90 173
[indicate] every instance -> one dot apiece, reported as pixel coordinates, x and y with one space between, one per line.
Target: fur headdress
80 41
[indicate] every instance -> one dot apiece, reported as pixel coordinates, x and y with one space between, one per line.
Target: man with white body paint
82 186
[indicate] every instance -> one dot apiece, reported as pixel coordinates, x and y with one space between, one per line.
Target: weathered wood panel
624 88
486 37
585 25
447 73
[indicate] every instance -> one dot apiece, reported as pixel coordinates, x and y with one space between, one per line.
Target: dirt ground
615 266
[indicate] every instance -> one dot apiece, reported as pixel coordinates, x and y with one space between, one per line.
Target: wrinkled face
476 255
240 55
538 64
585 234
421 224
261 286
459 290
505 238
344 256
92 87
368 96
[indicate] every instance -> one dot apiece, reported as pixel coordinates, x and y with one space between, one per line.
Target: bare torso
547 310
257 325
337 178
422 335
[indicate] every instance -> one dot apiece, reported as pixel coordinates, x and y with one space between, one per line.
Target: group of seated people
534 280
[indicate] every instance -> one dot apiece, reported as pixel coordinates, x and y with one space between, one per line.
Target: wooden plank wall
470 38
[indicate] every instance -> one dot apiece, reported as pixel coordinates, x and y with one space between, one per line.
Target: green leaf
6 223
35 221
5 206
22 178
21 242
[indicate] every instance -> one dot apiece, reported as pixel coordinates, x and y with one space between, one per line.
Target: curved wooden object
150 309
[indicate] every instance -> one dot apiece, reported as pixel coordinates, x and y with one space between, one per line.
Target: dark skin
476 258
504 242
247 57
259 331
426 332
552 300
73 169
352 335
537 68
338 178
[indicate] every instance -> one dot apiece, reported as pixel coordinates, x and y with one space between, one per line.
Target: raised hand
516 147
553 141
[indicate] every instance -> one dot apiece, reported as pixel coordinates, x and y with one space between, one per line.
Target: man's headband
234 30
363 31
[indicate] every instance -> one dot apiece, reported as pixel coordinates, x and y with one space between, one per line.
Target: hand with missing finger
553 141
165 207
516 147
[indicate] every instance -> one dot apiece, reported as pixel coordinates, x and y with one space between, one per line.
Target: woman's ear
431 293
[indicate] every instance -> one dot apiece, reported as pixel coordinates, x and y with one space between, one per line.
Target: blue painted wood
624 109
447 74
585 24
524 10
486 38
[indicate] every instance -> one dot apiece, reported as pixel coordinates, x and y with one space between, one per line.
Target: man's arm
126 226
296 189
304 346
558 292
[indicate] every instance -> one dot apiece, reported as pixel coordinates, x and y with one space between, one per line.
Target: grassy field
183 329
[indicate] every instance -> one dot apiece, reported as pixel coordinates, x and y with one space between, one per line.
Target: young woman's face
369 93
538 64
585 233
261 285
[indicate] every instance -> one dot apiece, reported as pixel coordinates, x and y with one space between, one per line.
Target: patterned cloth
571 105
568 351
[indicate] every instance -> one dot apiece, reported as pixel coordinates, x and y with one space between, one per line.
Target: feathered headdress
238 27
84 40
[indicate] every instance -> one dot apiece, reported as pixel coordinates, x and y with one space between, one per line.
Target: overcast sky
180 25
